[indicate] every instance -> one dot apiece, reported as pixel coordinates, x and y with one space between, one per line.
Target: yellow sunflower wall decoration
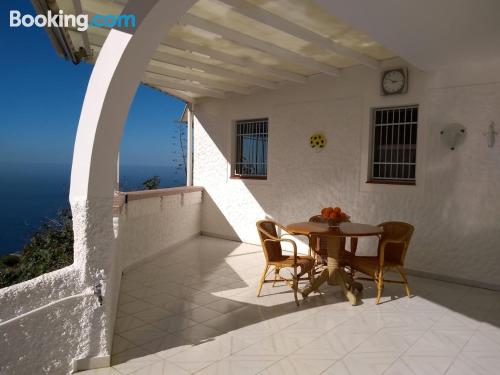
317 141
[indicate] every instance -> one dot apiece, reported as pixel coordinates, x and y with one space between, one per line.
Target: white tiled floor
194 310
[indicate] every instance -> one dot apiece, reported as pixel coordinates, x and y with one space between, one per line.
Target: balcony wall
153 220
58 327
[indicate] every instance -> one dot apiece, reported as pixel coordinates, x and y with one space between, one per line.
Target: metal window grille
394 144
251 148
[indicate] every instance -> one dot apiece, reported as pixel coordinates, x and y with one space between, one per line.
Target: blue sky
41 97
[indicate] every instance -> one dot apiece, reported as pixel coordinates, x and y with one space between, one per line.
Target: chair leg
276 275
380 285
405 279
262 279
295 286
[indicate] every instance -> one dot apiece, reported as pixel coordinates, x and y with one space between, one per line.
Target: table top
343 230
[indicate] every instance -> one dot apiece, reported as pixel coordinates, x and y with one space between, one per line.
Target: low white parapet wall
151 221
48 322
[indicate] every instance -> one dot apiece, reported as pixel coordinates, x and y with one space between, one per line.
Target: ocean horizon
32 193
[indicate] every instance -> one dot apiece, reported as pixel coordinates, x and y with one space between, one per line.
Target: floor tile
120 345
369 363
298 366
235 366
201 314
132 360
193 309
428 364
142 335
153 314
135 306
193 359
174 323
197 334
166 346
161 368
127 323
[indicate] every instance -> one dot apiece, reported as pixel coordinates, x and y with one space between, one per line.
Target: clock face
393 82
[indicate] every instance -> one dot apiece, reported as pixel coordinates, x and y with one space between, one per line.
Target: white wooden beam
213 69
272 49
179 84
181 95
163 57
224 57
163 69
254 12
155 64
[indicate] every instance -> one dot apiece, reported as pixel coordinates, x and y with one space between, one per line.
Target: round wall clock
395 81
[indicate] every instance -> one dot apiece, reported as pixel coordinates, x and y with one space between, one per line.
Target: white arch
112 85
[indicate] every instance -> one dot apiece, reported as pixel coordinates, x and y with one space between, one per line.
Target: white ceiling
431 34
236 47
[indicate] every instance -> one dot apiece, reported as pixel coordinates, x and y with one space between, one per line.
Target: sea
31 194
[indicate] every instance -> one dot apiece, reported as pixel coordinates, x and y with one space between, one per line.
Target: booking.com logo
79 22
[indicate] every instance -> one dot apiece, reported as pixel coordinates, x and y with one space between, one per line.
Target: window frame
234 136
371 162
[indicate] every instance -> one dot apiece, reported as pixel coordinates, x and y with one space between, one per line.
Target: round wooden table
333 273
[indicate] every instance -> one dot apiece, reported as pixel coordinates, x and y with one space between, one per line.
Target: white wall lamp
453 135
491 134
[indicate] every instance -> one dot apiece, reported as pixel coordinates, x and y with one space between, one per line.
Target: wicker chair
271 245
391 253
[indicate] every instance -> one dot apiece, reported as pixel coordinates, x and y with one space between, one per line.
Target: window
251 149
394 145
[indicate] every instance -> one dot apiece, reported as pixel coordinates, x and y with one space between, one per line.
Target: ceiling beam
181 87
163 57
182 95
213 69
231 59
163 70
272 49
180 84
171 83
256 13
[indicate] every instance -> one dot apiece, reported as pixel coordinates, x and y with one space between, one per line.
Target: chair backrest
399 233
272 249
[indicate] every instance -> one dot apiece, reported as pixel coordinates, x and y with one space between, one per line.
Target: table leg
336 273
317 282
333 274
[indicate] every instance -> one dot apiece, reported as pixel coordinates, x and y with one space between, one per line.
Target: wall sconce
453 135
491 134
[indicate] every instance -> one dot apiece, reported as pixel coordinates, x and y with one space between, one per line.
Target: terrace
194 310
166 281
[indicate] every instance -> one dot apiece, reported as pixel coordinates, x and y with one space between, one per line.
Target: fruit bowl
333 216
334 222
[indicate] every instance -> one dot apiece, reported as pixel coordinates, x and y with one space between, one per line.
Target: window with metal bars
394 145
251 149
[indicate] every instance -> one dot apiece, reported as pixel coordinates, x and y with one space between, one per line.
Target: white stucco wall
48 340
56 330
455 205
148 226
